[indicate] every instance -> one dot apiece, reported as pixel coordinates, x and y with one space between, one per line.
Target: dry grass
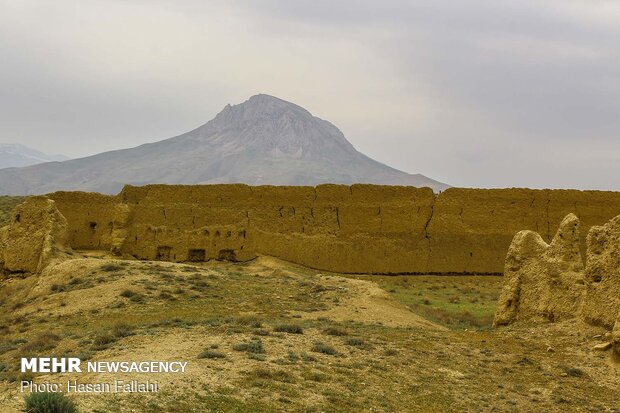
240 363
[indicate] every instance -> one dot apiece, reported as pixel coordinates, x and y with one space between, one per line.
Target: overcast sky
473 93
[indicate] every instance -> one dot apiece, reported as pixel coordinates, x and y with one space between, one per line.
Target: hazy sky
474 93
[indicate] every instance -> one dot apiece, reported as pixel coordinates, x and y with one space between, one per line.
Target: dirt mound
37 234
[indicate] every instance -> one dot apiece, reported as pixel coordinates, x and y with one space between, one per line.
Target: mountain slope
264 140
16 155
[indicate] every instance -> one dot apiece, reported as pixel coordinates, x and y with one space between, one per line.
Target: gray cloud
479 93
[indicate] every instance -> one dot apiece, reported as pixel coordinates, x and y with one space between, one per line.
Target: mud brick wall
351 229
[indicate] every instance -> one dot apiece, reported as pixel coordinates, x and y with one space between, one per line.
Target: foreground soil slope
271 336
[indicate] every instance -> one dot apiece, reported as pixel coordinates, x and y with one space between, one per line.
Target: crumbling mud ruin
551 282
347 229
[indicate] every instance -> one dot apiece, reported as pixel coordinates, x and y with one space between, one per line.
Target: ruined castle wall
362 228
90 217
471 229
358 228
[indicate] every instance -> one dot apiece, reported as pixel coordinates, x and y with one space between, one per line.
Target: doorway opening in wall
227 255
163 253
196 255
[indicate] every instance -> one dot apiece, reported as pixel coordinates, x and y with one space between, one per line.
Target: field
271 336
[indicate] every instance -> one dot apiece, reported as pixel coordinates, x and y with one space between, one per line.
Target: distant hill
16 155
264 140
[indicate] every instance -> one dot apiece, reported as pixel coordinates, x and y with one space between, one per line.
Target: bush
49 402
44 341
357 342
254 346
335 331
249 321
211 354
128 293
122 330
103 341
289 328
320 347
111 267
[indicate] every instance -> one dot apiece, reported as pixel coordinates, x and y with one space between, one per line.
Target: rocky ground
270 336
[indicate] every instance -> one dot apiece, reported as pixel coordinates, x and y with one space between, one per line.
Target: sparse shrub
49 402
252 346
390 352
103 341
308 358
572 371
167 296
292 356
110 267
335 331
320 347
122 330
455 299
426 301
289 328
136 298
44 341
354 341
128 293
211 354
56 288
249 320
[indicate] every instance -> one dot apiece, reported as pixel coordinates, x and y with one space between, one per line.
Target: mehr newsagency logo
74 365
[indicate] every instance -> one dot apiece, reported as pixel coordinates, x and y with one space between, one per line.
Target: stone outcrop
550 281
37 234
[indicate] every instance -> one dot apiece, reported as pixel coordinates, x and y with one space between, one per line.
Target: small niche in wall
196 255
92 226
227 255
163 253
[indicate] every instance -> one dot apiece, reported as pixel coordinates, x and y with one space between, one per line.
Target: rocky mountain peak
267 123
262 141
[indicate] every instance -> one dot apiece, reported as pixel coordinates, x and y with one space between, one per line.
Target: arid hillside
271 336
